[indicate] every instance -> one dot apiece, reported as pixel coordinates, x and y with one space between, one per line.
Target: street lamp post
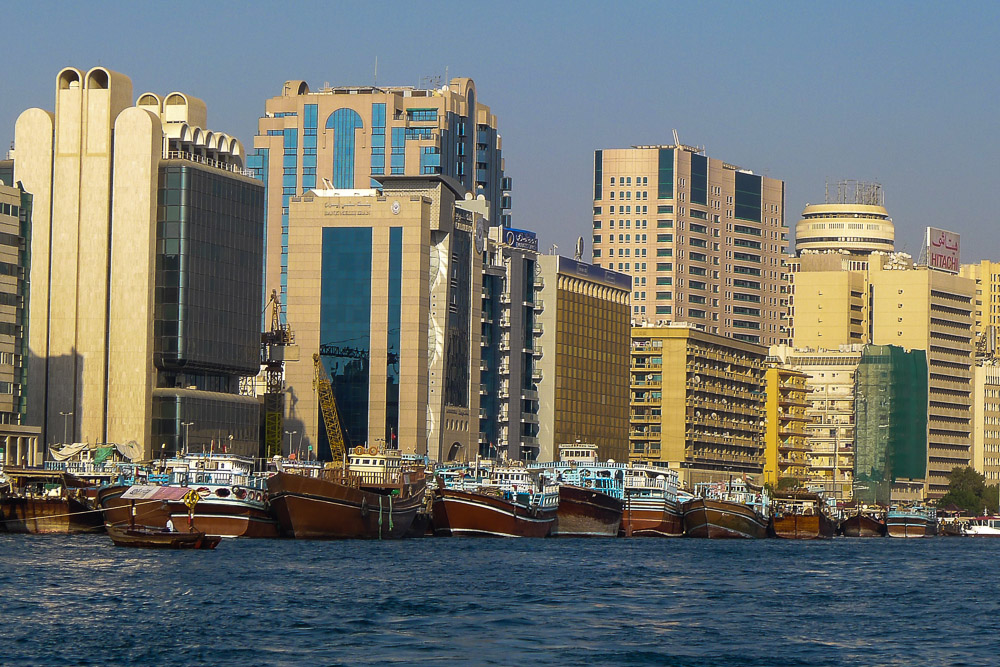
66 416
290 434
230 443
187 434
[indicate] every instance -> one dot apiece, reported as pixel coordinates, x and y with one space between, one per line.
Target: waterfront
79 600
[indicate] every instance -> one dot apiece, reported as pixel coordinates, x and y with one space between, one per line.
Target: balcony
538 306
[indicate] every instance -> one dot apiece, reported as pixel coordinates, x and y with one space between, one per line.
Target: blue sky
902 93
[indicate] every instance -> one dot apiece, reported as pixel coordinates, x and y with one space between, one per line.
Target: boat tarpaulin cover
145 492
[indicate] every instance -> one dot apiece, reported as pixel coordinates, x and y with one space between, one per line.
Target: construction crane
276 346
328 406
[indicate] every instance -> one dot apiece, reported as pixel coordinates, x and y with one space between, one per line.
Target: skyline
890 93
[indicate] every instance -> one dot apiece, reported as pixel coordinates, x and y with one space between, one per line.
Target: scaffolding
890 398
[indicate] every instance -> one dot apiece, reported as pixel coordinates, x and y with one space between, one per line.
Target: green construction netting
890 396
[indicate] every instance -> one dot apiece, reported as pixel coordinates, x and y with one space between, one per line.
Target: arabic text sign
942 250
519 238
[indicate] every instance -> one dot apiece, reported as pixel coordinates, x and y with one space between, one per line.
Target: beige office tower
697 402
894 302
18 441
385 285
986 440
350 137
829 428
145 247
987 277
852 223
703 240
582 373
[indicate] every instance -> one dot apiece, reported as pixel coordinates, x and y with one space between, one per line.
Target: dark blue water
80 600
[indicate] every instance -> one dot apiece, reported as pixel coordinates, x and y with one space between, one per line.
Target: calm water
80 600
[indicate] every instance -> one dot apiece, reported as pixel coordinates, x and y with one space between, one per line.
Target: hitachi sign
942 249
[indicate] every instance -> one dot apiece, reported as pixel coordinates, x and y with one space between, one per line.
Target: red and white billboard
942 250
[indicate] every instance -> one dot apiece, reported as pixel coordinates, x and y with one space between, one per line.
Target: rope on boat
60 516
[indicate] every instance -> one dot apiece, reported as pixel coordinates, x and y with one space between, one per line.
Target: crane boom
328 406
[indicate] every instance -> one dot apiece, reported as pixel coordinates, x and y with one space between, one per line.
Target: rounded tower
855 222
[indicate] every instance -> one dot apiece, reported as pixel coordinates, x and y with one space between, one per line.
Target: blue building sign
520 238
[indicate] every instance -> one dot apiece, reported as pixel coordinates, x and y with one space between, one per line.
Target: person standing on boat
170 525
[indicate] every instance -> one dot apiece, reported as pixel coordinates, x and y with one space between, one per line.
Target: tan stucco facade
426 212
711 264
893 302
697 402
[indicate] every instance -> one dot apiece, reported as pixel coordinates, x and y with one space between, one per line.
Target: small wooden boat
156 538
799 515
910 522
722 510
862 525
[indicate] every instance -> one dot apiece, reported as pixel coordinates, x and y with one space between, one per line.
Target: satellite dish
578 255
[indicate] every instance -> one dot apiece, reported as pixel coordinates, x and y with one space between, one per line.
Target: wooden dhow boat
42 501
865 522
724 510
233 500
591 492
511 502
157 538
911 521
800 516
374 496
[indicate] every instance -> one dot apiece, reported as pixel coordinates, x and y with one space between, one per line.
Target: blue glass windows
378 139
748 196
665 174
394 317
398 157
309 126
699 179
345 323
344 122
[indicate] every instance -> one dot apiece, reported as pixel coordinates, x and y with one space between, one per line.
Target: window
665 174
664 224
421 115
664 238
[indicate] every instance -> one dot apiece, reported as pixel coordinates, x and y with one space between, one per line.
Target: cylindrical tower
857 223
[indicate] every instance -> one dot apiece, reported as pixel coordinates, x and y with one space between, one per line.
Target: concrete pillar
20 452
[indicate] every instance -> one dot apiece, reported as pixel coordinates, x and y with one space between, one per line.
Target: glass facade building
339 135
209 245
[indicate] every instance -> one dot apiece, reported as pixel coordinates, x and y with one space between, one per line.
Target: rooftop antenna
677 139
375 82
579 249
553 248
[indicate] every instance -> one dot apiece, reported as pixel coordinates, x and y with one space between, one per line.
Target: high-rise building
19 441
145 248
987 277
697 402
703 240
508 393
785 420
894 302
582 371
890 432
852 222
829 429
986 423
386 286
350 137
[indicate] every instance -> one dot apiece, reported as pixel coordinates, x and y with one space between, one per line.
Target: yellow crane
328 406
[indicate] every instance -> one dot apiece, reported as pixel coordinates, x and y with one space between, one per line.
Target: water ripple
81 601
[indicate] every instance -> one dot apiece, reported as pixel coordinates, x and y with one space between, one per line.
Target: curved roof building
857 224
